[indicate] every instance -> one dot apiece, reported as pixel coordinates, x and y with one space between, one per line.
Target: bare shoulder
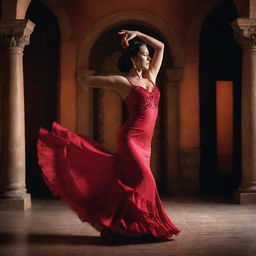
120 83
123 85
119 80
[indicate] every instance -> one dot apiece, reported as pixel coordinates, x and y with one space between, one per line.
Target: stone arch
171 81
148 19
14 9
58 10
67 51
64 23
84 116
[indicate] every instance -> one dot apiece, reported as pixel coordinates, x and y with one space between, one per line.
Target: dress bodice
139 99
143 111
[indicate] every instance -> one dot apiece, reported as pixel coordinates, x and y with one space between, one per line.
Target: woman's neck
136 73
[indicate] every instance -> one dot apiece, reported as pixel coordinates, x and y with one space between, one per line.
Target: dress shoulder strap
150 81
129 81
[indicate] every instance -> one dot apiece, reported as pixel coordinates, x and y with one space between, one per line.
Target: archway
148 23
109 111
41 73
125 17
220 60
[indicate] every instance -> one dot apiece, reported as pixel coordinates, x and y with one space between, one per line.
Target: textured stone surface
14 35
15 204
245 35
210 226
245 198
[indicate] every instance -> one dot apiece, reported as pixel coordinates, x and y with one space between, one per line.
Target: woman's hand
82 76
127 36
157 45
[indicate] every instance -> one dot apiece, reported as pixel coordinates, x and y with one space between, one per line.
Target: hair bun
124 63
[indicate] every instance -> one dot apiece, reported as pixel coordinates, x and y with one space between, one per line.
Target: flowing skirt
88 178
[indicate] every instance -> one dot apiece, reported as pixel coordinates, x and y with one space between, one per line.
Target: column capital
15 33
245 32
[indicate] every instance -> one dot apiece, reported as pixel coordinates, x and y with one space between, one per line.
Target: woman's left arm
157 58
157 45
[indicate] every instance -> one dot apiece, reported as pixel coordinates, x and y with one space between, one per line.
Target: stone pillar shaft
249 121
14 35
245 34
13 175
84 104
171 119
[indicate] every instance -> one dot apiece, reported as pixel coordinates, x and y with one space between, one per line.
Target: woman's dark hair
124 63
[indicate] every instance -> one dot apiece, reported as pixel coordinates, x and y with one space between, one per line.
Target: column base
245 198
188 176
15 204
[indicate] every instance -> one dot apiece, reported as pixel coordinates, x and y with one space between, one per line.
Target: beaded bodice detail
140 98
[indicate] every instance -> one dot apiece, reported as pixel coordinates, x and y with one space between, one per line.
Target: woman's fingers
124 41
123 31
127 35
130 36
123 38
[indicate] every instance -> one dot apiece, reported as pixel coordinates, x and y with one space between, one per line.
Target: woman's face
142 59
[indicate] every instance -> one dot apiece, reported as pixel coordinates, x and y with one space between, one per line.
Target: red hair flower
124 45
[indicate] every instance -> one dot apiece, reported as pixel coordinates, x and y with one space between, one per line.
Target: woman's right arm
106 82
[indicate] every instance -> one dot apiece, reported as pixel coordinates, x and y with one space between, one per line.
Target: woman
115 193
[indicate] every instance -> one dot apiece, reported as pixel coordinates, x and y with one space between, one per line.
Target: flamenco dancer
115 192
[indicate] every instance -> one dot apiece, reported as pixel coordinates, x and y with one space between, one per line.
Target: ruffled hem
139 217
114 207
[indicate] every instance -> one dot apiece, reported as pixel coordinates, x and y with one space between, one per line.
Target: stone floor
210 226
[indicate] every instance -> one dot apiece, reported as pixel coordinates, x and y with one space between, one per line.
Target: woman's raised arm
157 45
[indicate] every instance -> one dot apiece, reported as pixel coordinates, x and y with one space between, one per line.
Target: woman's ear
133 63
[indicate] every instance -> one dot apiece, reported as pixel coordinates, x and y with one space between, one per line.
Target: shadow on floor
200 199
59 239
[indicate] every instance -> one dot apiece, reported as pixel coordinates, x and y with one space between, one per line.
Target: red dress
116 192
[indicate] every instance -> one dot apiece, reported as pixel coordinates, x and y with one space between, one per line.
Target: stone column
171 129
84 101
245 34
14 35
